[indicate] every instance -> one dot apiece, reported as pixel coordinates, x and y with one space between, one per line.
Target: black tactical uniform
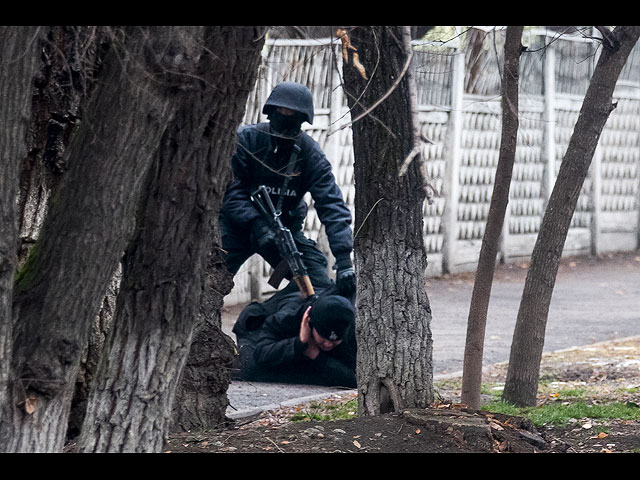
264 157
269 346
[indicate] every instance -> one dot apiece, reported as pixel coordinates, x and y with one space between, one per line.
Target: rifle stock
304 284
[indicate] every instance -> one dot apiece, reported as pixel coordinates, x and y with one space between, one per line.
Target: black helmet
293 96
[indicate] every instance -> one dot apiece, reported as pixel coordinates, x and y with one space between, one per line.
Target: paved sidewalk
595 299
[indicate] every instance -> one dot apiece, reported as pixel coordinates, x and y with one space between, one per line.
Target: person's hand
312 349
262 236
346 280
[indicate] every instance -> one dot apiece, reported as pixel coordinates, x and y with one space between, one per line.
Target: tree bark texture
201 399
165 267
59 290
474 345
394 367
18 64
70 57
528 340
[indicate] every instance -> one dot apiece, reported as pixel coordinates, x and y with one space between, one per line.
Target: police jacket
262 159
273 327
278 346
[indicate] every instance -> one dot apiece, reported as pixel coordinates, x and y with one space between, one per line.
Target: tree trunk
474 346
394 367
70 59
66 75
59 290
18 64
201 399
526 349
165 265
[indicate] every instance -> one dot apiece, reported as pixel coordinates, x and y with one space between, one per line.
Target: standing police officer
289 163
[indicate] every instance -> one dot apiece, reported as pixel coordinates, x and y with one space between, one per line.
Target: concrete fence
460 112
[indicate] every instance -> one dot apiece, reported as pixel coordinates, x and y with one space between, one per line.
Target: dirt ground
610 371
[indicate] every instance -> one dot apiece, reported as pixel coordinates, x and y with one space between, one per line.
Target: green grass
569 404
630 389
327 411
560 414
571 393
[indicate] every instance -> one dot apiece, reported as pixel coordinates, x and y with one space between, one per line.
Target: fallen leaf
496 426
503 446
602 435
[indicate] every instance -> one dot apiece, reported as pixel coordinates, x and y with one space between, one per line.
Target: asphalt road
594 299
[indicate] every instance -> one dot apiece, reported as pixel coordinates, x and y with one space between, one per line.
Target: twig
277 446
365 218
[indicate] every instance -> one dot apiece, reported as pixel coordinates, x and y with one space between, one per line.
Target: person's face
323 343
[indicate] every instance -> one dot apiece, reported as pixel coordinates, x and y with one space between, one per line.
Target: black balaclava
285 125
331 316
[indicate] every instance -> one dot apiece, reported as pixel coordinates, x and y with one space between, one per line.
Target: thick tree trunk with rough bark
70 59
59 290
165 265
18 65
394 367
474 345
201 399
528 340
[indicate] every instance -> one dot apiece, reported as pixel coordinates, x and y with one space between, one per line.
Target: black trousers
239 246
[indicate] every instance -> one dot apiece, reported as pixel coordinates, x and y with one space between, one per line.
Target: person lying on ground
292 341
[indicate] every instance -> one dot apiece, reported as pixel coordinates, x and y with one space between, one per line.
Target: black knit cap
331 316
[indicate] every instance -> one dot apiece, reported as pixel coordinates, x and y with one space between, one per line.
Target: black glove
262 237
346 278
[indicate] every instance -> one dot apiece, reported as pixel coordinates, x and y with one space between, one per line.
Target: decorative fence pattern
459 102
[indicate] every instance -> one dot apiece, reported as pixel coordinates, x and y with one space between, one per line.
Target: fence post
596 199
452 171
335 109
549 147
595 171
255 275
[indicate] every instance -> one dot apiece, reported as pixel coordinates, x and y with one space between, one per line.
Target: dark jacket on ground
271 350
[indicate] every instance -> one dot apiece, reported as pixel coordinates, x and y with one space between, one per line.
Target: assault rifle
292 258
